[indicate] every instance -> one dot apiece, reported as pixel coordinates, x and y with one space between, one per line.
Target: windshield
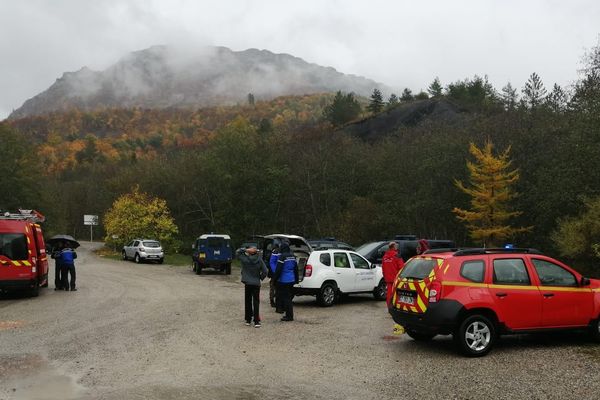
367 248
13 246
151 243
418 268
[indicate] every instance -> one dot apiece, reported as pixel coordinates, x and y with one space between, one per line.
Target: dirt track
160 332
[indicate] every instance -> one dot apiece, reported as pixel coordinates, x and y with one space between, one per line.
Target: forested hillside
281 166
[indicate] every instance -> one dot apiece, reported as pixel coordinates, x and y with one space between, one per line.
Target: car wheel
475 336
595 330
124 255
228 269
35 290
198 268
137 258
327 294
380 292
420 336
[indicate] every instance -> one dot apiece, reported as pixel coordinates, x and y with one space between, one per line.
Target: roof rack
24 215
441 250
495 250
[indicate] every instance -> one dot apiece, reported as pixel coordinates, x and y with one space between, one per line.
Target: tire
228 269
137 258
327 294
35 290
197 268
161 260
380 292
420 336
595 330
476 336
124 255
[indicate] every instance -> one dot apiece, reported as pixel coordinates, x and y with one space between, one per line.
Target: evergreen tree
422 96
376 103
491 192
406 95
534 92
435 88
509 97
344 108
557 99
392 101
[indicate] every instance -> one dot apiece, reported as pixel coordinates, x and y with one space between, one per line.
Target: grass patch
171 259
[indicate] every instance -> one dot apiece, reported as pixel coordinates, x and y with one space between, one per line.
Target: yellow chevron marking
421 303
18 264
27 263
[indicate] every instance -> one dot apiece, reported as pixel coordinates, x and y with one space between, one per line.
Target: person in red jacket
391 264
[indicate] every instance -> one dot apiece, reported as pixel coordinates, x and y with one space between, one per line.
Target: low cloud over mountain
162 77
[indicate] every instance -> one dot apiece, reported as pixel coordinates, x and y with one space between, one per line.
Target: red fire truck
23 260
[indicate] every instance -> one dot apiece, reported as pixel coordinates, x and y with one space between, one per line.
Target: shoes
287 319
73 289
279 311
257 324
247 323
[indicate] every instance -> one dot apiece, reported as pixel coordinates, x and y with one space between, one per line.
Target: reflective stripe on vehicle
517 287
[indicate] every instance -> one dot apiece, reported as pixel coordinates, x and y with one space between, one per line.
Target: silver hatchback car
140 250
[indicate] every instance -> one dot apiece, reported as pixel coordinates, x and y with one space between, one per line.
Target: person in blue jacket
286 275
273 283
67 261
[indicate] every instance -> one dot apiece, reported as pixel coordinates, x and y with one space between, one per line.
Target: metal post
91 237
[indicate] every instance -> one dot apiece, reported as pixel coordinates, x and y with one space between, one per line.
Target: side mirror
585 281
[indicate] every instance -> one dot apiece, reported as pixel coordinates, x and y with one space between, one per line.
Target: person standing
391 264
254 270
286 275
273 283
57 266
67 260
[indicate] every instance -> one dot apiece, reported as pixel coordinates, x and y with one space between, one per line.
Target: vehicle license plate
406 297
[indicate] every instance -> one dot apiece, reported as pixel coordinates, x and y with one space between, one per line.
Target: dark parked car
407 246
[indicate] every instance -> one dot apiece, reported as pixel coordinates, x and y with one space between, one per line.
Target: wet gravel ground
162 332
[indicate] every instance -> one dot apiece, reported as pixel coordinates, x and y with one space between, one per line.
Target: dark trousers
57 278
284 295
272 292
66 270
251 301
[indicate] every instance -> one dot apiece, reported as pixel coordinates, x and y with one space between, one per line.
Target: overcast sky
401 43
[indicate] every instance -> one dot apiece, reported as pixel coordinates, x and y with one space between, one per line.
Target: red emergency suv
478 294
23 260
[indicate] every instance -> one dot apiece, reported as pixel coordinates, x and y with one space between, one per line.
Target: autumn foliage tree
491 181
139 215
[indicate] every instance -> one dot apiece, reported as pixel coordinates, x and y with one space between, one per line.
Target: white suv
334 272
140 250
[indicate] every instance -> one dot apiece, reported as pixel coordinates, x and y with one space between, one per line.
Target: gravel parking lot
162 332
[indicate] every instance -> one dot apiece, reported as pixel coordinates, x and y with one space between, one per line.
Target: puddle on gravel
31 377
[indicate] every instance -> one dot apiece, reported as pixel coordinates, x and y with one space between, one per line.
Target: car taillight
308 270
435 291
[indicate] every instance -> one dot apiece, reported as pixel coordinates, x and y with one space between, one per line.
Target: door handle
548 294
501 294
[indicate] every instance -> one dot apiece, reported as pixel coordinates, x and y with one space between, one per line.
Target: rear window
215 242
151 243
13 246
418 268
325 259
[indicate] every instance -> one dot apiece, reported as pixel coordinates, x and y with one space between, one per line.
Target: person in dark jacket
57 265
286 275
254 270
67 261
273 283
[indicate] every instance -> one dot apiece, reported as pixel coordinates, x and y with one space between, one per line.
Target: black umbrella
68 240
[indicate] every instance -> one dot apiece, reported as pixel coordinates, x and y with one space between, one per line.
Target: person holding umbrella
67 261
57 265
